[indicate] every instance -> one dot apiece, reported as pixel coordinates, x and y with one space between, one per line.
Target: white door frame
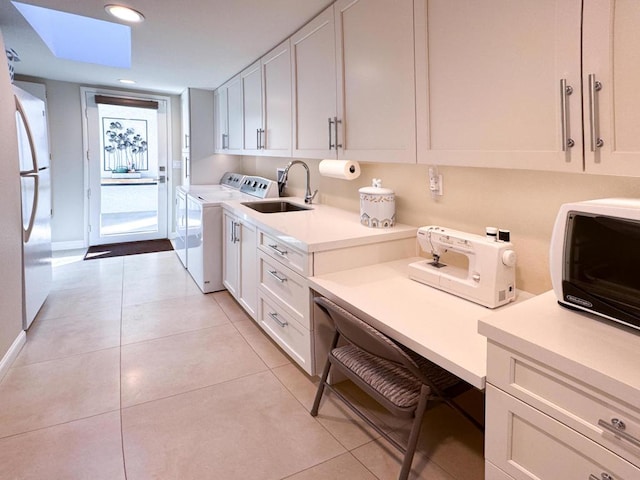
84 91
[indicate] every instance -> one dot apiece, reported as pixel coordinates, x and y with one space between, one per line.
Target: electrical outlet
435 182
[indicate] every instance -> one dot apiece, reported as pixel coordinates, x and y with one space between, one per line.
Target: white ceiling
185 43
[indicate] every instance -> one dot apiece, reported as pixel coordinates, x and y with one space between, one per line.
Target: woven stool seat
396 377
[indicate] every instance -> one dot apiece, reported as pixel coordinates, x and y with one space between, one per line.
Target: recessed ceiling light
127 81
124 13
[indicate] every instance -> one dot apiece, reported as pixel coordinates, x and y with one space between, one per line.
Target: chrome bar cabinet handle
274 316
603 476
236 237
565 91
617 427
282 253
330 142
335 127
594 87
275 275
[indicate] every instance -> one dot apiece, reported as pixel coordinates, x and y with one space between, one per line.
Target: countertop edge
368 236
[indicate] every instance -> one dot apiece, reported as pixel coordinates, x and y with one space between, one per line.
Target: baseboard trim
73 245
12 353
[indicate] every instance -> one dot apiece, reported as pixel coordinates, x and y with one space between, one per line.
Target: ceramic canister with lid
377 206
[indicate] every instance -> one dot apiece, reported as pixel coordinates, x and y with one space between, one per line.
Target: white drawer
569 400
288 287
296 260
286 332
527 444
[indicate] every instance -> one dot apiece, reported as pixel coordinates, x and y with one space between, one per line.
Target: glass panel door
127 169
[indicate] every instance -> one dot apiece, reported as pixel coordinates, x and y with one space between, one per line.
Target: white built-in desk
439 326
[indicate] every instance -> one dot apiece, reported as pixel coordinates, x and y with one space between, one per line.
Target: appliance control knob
509 258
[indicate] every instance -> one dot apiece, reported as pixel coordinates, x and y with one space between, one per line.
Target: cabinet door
231 255
234 115
248 270
251 79
612 114
276 81
313 77
201 145
529 445
184 120
220 126
489 83
376 80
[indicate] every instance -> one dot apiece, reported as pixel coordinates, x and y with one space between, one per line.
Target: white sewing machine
490 277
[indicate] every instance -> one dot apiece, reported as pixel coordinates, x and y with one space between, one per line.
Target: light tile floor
129 372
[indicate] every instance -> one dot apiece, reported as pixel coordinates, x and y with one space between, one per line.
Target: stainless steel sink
279 206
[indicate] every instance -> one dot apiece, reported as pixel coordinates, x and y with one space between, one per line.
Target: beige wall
525 202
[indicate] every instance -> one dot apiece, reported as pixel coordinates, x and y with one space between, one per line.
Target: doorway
126 140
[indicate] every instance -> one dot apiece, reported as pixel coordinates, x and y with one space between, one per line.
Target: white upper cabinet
494 81
313 78
376 80
251 80
276 83
220 114
197 140
184 121
611 66
266 100
228 117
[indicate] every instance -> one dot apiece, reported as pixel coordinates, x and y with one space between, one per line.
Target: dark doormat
128 248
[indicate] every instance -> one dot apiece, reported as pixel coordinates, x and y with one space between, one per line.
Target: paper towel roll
344 169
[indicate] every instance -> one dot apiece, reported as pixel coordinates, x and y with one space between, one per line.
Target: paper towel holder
341 169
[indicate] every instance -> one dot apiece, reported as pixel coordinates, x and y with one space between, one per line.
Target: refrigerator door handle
32 217
32 147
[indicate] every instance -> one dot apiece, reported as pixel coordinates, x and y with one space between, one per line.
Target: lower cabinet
269 278
293 337
284 298
544 424
239 263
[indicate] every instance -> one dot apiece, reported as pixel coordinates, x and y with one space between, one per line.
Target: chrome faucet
308 196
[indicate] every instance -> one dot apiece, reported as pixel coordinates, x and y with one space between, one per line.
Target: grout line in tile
266 370
57 359
177 334
124 457
326 461
57 424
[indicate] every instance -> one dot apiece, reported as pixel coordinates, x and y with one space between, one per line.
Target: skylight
78 38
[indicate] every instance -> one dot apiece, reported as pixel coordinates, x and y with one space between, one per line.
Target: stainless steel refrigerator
35 181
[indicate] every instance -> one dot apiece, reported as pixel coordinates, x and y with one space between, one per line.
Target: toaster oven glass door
602 266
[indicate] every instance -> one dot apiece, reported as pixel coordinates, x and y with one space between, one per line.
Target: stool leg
323 380
325 375
415 433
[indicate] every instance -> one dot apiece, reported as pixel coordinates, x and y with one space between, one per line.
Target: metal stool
399 379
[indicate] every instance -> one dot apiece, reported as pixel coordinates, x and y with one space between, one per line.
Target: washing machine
204 224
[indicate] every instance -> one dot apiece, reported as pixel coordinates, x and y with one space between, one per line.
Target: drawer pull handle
603 476
617 427
274 315
275 275
282 253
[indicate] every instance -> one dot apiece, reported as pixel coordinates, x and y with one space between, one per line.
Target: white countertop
439 326
319 229
580 344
